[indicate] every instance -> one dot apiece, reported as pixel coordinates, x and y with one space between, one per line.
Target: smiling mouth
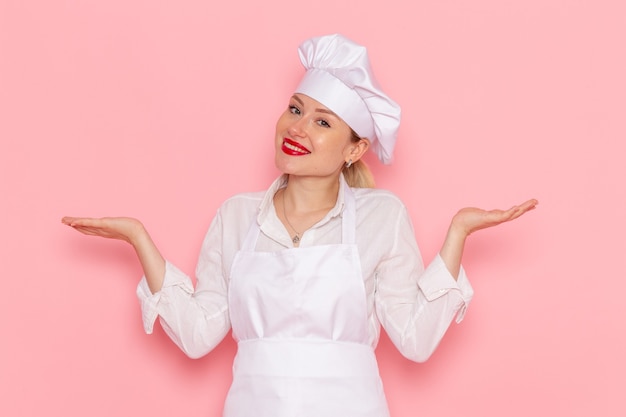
293 148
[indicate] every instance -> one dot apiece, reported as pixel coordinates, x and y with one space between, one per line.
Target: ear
357 150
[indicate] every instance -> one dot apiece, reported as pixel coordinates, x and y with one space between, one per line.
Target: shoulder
241 204
254 197
253 201
376 207
377 199
384 227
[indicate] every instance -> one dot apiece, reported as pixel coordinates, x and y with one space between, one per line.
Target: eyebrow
296 98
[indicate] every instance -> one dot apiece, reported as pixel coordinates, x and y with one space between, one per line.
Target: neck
306 194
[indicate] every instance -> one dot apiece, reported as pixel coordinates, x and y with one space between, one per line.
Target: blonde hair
358 175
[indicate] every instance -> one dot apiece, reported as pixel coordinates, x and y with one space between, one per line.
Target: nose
298 127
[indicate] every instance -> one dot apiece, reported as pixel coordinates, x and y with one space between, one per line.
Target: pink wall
160 110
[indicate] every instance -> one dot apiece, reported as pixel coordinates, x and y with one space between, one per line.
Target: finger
88 230
529 205
495 217
517 211
92 231
525 206
67 220
83 221
85 231
516 214
71 220
500 216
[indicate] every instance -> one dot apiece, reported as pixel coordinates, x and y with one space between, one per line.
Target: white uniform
300 319
304 317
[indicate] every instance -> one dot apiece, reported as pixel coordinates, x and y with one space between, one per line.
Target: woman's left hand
470 219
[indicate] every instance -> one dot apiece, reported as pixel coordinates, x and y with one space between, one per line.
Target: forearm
452 249
151 260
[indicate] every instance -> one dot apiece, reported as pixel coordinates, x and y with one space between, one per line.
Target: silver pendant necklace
296 238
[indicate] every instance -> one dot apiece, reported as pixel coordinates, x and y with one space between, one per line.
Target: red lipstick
293 148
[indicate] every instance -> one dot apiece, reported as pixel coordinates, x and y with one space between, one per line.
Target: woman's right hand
121 228
129 230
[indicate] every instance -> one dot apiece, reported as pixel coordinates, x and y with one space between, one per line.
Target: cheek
283 121
280 129
341 144
334 151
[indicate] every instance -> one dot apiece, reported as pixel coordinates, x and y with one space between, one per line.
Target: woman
306 272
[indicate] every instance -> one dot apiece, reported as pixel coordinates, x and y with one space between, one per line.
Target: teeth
294 148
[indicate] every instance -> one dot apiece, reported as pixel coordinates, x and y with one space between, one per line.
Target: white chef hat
339 76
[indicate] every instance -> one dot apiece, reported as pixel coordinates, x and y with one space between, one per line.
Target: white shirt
413 304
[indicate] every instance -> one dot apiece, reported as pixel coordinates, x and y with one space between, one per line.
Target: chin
282 165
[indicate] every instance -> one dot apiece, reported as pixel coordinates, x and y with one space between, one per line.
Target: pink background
160 110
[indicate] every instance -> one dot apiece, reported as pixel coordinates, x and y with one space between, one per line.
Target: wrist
138 235
457 231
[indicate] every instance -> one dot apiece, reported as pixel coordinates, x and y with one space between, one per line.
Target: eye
323 123
294 109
